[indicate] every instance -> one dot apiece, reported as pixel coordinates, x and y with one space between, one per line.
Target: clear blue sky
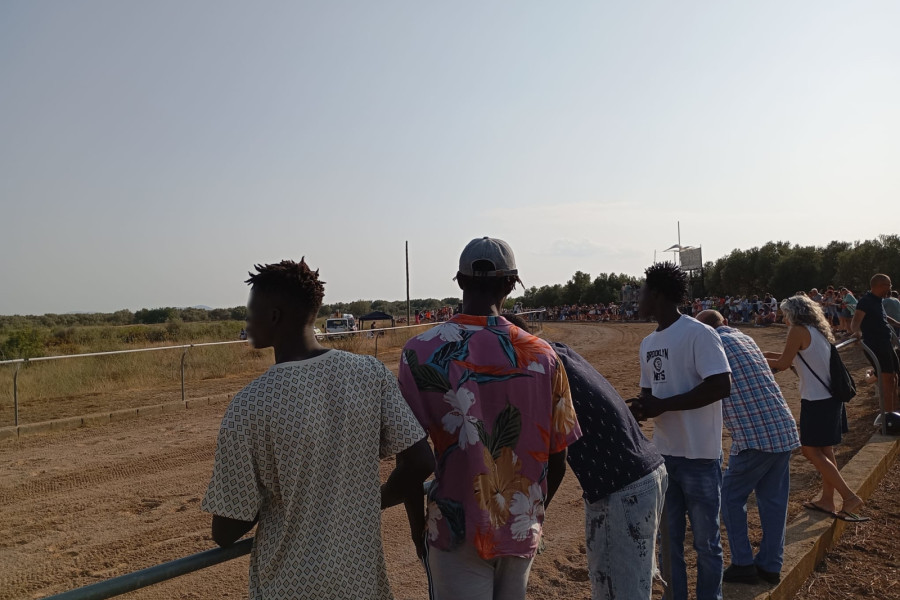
151 152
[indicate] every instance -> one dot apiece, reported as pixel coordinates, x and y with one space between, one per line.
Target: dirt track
80 506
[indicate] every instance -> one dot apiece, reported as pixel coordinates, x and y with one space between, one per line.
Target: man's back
496 403
755 413
300 446
875 328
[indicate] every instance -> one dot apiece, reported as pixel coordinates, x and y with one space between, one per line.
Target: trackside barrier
183 566
168 570
533 317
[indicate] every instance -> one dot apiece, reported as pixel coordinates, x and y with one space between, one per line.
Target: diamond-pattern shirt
300 446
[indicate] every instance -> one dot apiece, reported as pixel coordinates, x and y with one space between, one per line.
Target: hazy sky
151 152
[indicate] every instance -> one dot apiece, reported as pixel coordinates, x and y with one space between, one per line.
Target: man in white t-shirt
298 452
684 375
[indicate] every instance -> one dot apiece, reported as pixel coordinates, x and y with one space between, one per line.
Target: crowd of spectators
838 305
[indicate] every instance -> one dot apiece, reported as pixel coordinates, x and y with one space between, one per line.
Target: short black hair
668 280
296 282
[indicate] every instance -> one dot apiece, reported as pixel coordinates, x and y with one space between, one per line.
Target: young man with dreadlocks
298 453
684 375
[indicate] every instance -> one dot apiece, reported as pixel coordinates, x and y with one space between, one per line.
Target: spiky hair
296 281
667 279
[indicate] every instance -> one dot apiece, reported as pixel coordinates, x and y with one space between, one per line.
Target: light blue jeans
695 487
769 474
620 534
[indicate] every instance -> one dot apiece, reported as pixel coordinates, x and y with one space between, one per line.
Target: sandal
816 508
851 517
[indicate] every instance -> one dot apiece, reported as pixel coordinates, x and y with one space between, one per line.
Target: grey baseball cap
497 252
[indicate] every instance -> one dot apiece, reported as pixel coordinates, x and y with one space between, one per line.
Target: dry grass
45 384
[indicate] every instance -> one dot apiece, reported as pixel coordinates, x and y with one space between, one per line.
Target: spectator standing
848 304
763 434
684 375
298 452
495 401
823 419
871 323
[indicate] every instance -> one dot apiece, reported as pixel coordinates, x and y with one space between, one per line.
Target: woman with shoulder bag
823 419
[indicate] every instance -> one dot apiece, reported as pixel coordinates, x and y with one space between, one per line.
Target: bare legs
822 458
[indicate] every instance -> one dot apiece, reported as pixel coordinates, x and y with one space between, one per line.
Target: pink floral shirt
495 402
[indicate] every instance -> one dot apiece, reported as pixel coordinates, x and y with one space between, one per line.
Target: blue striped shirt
756 413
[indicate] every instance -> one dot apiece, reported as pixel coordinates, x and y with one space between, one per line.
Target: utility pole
407 282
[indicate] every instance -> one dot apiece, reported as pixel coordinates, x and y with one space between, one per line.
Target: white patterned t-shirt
300 446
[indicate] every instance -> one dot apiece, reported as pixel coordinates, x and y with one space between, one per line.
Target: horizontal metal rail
182 566
188 346
167 570
877 370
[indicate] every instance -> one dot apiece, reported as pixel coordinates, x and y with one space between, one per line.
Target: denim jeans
620 532
769 474
695 486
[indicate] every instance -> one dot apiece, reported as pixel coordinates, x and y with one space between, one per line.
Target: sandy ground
866 561
80 506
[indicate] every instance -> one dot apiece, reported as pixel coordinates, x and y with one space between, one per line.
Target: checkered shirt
756 413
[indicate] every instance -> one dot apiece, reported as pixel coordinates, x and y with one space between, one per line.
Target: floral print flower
494 490
448 332
528 510
458 418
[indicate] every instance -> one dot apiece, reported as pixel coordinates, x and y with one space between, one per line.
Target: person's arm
856 323
556 470
226 531
414 465
781 361
712 389
404 484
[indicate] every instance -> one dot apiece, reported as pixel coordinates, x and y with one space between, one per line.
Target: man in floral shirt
495 402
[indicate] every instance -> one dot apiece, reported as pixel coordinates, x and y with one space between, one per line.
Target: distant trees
783 269
580 289
777 267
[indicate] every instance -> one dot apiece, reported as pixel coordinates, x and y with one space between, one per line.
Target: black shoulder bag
842 386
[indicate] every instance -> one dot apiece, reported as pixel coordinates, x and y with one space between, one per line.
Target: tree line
784 269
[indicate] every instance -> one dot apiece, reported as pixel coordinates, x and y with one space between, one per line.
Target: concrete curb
104 418
811 535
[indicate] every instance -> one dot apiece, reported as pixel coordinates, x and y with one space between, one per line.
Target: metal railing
195 562
876 366
376 334
145 577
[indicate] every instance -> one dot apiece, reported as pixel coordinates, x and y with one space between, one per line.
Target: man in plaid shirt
763 433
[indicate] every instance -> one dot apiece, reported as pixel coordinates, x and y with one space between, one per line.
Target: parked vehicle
342 324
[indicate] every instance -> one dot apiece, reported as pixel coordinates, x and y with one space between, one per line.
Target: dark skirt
822 422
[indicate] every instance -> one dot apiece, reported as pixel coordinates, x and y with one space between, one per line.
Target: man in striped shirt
763 433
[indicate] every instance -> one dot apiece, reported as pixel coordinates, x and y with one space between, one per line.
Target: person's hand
636 407
652 406
419 543
645 407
